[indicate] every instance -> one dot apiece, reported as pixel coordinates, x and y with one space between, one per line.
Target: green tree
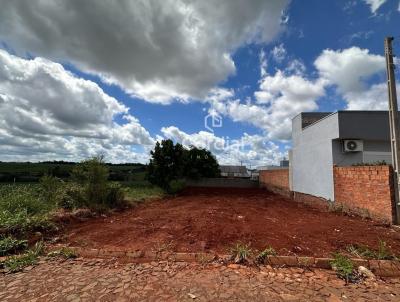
201 163
170 163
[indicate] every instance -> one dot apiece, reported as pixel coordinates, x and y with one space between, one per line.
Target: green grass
138 193
343 266
18 262
22 209
64 252
240 252
10 245
361 251
268 251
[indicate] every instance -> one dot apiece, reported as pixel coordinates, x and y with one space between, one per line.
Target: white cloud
156 50
46 112
280 98
252 150
278 53
374 4
349 68
374 98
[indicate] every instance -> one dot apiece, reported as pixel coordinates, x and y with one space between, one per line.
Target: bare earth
212 220
107 280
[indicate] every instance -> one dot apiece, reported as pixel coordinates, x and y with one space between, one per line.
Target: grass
263 255
22 210
241 252
18 262
10 245
382 253
64 252
139 192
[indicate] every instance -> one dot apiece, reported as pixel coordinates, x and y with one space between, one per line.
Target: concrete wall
365 190
223 183
312 158
374 150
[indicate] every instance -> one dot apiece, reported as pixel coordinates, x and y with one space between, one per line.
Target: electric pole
394 125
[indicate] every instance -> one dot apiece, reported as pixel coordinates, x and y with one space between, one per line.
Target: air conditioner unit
353 145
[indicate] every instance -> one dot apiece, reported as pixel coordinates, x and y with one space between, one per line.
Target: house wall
366 190
312 158
374 150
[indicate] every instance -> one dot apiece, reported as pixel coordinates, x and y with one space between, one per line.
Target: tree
171 162
201 163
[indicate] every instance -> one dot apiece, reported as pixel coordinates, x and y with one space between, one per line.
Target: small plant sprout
262 256
344 268
240 252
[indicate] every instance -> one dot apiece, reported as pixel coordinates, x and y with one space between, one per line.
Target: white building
322 140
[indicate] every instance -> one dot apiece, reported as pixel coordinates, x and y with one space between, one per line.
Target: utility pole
394 125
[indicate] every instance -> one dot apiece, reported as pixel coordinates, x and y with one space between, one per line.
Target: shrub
9 245
71 196
176 186
94 192
92 174
240 252
115 196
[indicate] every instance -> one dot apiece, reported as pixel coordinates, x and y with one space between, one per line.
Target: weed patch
382 253
17 263
344 268
64 252
240 252
10 245
263 255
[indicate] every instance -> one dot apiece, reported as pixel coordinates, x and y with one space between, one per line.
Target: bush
71 196
98 194
176 186
115 196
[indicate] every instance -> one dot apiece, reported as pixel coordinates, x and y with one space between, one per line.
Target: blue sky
139 72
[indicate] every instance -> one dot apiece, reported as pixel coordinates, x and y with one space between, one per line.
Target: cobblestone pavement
108 280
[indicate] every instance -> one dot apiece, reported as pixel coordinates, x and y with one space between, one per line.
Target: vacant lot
215 219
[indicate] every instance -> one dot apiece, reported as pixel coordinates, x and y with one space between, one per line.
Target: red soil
214 219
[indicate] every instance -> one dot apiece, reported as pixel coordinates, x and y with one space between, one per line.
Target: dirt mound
214 219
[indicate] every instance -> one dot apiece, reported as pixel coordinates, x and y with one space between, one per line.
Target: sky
83 78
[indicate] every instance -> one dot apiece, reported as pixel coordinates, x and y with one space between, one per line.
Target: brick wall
275 180
366 190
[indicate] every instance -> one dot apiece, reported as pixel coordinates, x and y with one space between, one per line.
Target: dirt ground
212 220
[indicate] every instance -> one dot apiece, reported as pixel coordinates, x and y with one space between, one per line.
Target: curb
382 268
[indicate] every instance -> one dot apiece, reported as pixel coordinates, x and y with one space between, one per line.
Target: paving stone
110 281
